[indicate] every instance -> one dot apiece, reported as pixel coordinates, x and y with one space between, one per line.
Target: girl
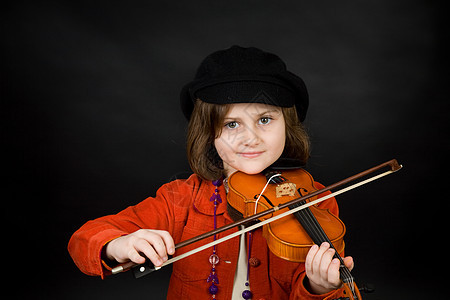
245 112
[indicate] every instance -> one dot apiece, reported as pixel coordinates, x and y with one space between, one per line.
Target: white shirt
240 277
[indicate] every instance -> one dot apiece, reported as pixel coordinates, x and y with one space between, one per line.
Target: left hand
322 269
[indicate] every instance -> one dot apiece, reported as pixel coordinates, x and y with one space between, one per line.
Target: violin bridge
285 189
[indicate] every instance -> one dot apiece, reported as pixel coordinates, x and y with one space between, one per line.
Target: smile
250 154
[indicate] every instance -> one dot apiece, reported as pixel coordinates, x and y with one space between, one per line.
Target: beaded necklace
214 258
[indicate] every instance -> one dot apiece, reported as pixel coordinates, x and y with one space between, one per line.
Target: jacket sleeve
86 244
299 290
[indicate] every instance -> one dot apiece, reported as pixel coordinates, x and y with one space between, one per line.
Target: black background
92 121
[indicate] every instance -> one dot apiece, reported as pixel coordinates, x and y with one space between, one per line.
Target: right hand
154 244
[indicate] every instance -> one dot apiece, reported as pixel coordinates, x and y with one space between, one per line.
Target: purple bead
212 278
217 182
213 289
247 294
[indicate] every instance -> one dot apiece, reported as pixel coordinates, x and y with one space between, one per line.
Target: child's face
252 138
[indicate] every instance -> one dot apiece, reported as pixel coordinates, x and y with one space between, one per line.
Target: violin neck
318 235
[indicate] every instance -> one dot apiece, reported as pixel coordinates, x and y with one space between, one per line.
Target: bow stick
143 269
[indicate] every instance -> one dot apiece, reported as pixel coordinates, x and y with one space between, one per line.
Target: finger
159 246
134 256
333 275
325 263
168 241
309 259
318 257
143 246
349 263
154 238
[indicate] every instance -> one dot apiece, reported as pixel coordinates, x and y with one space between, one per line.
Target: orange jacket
182 207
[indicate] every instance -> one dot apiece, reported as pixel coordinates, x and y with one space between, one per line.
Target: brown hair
205 126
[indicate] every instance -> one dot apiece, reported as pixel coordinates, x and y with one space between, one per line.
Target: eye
264 120
232 125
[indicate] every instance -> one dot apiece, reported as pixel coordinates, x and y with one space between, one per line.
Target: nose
250 137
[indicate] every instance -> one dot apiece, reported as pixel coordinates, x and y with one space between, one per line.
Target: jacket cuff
106 265
302 293
87 252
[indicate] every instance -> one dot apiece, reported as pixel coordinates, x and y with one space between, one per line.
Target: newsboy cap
245 75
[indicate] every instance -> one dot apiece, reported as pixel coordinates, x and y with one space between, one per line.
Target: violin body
286 238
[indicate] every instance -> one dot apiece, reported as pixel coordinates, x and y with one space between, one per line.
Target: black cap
245 75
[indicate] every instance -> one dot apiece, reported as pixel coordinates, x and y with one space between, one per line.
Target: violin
291 237
304 210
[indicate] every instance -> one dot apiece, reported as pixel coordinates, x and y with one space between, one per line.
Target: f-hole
299 190
267 199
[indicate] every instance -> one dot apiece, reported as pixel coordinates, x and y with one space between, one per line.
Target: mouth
250 154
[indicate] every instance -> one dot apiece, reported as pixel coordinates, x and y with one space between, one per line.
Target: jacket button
254 262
